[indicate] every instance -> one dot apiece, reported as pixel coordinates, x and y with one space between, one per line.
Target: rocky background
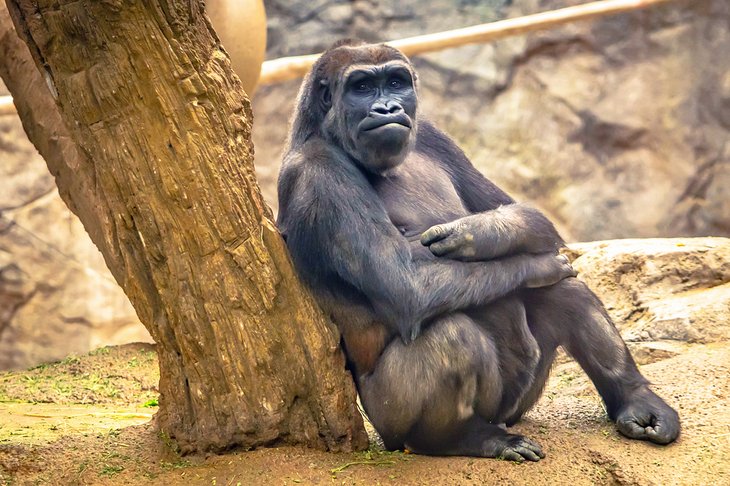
665 295
616 128
56 295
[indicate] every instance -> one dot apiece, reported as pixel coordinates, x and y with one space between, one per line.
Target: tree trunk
164 184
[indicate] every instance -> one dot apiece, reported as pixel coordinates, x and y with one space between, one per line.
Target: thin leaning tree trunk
159 168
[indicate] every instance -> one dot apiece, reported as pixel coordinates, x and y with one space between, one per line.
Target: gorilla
451 298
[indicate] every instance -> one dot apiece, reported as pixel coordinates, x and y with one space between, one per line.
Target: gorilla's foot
512 447
477 438
647 417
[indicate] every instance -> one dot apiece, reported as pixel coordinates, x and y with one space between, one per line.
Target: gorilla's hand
548 269
466 239
504 231
645 416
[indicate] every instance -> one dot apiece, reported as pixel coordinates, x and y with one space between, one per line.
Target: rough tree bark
159 169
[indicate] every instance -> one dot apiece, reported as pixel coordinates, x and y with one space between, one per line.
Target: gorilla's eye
362 86
395 83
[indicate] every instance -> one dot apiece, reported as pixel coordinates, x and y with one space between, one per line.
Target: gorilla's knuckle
439 248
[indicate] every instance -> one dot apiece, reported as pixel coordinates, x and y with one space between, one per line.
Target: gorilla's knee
441 378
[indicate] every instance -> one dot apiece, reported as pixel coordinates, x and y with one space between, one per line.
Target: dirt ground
89 420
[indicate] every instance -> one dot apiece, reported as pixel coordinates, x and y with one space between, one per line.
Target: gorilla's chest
418 195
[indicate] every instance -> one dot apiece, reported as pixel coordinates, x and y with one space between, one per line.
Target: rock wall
616 127
56 295
661 292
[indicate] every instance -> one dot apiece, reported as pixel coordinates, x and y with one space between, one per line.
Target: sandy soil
88 420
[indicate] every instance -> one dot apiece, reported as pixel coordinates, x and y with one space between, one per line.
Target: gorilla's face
374 112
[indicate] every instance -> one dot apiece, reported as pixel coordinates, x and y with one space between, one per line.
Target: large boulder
616 127
56 295
675 290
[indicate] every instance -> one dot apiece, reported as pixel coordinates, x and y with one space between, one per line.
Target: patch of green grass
99 351
179 464
111 470
30 380
101 386
70 359
60 387
152 402
115 455
80 379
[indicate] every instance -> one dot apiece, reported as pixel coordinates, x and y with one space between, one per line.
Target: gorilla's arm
507 230
337 231
499 227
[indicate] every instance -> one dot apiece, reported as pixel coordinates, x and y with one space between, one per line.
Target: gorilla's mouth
372 123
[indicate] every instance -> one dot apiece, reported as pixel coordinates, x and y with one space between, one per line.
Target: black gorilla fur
451 298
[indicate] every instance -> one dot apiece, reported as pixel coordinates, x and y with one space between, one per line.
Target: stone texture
616 127
56 295
661 290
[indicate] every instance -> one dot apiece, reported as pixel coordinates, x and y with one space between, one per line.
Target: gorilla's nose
385 114
386 108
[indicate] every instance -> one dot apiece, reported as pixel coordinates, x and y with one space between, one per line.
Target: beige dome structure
241 26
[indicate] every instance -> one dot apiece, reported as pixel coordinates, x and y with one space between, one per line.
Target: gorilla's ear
325 95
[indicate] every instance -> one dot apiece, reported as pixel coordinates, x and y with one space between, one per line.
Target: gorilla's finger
661 432
435 233
533 446
527 454
570 271
444 247
631 429
511 455
567 267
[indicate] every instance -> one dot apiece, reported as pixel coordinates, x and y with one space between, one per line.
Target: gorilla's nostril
380 109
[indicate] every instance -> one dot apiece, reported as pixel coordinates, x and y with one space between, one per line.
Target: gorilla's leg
424 395
548 345
434 378
506 322
569 314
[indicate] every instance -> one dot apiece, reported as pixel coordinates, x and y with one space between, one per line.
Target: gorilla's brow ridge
368 68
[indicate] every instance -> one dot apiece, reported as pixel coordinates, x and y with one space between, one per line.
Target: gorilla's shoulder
318 156
433 140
